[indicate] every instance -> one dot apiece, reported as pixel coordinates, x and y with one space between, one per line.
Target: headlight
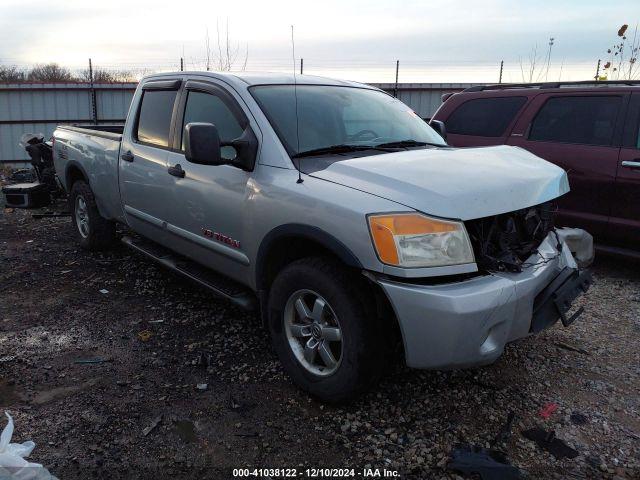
415 240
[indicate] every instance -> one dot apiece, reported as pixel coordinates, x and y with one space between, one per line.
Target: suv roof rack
541 85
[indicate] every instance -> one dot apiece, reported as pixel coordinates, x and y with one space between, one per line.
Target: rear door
581 133
624 223
482 121
144 183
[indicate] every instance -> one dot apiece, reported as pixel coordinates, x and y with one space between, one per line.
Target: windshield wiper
334 149
407 143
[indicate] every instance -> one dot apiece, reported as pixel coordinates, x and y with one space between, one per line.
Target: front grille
504 242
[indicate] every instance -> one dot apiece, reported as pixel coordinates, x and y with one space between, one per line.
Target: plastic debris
104 291
145 335
202 386
488 464
13 465
548 410
549 442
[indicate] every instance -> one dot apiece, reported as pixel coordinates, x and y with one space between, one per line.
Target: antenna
295 95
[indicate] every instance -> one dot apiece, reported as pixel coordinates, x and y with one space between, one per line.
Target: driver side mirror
439 127
202 144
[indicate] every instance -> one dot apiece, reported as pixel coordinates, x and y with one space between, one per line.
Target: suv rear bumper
468 323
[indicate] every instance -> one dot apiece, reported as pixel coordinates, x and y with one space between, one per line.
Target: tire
361 352
93 231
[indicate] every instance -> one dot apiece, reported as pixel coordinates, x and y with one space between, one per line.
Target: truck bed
113 132
92 152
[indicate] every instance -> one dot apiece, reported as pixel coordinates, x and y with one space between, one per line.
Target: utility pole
181 64
598 71
92 90
395 89
301 66
501 68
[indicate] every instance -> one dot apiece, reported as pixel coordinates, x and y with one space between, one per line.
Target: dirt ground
150 338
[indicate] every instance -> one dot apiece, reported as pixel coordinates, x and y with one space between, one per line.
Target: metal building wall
423 98
39 107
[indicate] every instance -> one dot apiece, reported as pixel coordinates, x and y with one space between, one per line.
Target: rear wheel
325 330
93 231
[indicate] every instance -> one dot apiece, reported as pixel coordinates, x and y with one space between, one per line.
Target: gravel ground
140 413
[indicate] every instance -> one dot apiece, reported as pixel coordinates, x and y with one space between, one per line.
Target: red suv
588 128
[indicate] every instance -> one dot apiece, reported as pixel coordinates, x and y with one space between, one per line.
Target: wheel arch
74 172
289 242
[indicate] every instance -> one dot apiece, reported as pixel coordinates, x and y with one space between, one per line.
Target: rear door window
581 120
154 120
484 117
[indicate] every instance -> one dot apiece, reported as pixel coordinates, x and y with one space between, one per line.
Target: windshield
331 116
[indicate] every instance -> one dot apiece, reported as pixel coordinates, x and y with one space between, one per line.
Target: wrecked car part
580 244
550 443
556 299
505 242
488 464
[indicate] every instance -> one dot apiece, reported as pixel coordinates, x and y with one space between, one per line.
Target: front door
207 207
578 133
624 223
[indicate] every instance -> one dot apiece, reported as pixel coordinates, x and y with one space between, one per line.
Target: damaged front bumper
468 323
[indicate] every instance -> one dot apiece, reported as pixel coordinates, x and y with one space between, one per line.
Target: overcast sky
434 40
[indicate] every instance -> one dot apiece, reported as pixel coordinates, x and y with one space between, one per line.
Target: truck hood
460 183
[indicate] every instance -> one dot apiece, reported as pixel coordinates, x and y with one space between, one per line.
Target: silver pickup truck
332 209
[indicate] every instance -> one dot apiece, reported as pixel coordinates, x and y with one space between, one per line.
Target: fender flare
308 232
73 164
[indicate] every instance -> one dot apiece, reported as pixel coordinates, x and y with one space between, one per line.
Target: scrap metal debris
549 442
84 361
571 348
154 423
488 464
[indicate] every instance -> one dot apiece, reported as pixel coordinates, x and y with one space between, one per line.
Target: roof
265 78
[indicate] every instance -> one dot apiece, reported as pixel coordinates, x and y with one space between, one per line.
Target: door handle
176 171
631 163
127 156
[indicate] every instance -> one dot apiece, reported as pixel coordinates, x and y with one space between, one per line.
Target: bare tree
623 56
107 76
536 68
228 51
50 72
11 74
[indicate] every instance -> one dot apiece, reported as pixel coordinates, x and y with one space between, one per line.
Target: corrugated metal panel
39 107
423 98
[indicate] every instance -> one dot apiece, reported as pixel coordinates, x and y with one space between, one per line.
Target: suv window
484 117
154 120
208 108
584 120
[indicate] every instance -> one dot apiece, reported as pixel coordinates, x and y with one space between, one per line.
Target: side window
583 120
484 117
154 120
208 108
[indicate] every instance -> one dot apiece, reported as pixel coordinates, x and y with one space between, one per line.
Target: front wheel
325 330
94 232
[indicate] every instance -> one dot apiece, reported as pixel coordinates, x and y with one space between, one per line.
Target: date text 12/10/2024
315 473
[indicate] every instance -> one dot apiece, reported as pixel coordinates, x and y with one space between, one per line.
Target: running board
217 283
